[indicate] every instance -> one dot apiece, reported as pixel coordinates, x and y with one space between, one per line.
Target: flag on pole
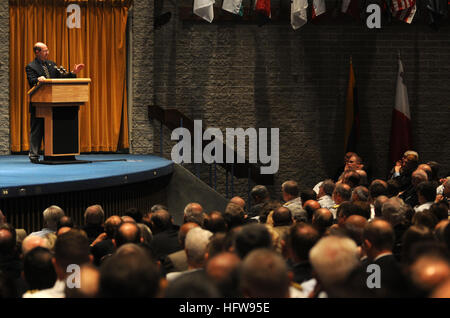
233 6
263 7
351 113
204 9
351 7
299 13
404 10
318 8
401 119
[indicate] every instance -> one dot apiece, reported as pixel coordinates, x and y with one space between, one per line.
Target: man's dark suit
35 70
394 282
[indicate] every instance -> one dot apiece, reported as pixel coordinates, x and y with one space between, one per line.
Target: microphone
61 69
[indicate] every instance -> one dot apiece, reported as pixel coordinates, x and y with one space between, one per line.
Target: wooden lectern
58 101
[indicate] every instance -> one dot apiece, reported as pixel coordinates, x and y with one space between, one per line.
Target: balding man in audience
322 219
239 201
302 237
332 258
128 232
70 248
215 222
165 234
193 212
31 242
378 245
429 271
264 274
310 206
282 220
223 270
177 261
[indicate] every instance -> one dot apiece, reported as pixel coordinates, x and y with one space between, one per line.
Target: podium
58 102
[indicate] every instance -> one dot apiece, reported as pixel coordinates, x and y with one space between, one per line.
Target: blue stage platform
19 177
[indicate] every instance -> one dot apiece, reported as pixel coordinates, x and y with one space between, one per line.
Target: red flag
404 9
263 7
401 119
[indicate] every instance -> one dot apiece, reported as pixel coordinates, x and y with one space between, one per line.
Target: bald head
427 170
429 271
220 267
63 230
239 201
418 176
378 238
184 229
312 204
356 220
193 212
322 219
282 216
41 51
128 232
31 242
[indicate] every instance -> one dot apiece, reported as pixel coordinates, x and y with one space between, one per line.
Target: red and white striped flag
404 9
401 119
318 8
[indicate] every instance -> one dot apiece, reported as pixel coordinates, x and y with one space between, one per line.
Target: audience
311 245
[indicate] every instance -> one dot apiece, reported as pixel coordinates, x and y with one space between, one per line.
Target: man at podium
37 71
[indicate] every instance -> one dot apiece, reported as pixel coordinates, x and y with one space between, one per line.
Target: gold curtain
100 44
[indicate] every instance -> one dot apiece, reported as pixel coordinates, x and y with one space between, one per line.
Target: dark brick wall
242 75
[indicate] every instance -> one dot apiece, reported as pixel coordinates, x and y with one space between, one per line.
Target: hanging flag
401 119
437 12
299 13
318 8
233 6
351 114
351 7
404 10
263 7
204 9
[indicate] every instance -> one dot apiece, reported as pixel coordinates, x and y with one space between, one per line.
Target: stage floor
19 177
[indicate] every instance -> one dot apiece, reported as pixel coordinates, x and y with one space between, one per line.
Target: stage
116 181
20 177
